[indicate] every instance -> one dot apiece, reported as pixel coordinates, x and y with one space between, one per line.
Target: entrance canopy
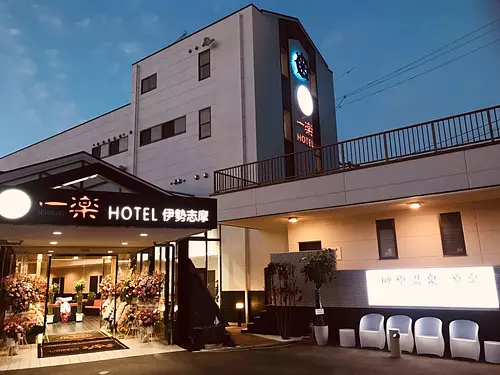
81 201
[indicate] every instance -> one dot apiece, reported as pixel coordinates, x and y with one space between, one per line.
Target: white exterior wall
79 138
417 233
179 93
454 171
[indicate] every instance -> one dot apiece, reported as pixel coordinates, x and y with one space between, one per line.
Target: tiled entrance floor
27 357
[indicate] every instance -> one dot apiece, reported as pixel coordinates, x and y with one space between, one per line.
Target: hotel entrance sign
89 208
454 287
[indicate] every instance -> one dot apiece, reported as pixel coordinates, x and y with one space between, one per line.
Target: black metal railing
454 132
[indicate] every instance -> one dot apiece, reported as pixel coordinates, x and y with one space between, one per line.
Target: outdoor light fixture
415 205
56 233
143 234
240 306
292 219
53 242
14 203
305 100
124 243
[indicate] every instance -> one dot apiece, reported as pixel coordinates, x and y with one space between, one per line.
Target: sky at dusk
63 62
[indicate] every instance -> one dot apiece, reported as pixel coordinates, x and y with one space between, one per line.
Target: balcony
463 131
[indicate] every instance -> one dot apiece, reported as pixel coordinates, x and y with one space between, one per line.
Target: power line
422 73
420 64
392 74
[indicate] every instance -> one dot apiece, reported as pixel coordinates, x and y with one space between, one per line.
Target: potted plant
53 289
91 298
284 294
319 268
79 287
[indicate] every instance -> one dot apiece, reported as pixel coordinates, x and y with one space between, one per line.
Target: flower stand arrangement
15 330
319 268
79 287
20 293
147 320
53 289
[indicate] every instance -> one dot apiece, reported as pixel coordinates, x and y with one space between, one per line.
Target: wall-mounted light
240 305
205 175
197 177
292 219
415 205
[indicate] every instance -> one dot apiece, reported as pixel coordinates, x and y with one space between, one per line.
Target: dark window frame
458 232
115 141
209 123
96 150
112 144
149 83
168 131
206 52
378 226
309 243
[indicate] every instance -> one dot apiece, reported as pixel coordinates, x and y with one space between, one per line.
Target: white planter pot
321 334
149 330
79 317
50 319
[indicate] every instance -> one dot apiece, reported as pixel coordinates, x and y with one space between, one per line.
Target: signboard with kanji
454 287
92 208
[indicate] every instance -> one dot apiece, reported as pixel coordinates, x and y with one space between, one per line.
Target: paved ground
296 359
242 339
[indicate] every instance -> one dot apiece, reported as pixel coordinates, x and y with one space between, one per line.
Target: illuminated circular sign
305 100
14 204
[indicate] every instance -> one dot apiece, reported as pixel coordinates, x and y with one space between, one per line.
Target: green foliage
285 294
53 289
319 267
80 285
91 296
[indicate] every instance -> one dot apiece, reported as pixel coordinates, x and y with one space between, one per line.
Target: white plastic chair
403 323
464 339
429 336
371 331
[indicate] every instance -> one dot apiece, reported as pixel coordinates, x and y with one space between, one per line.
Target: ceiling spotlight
53 242
56 233
415 205
292 219
143 235
124 243
109 256
110 251
75 257
51 251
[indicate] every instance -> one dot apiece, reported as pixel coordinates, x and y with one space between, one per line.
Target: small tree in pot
79 287
319 268
53 289
91 298
285 295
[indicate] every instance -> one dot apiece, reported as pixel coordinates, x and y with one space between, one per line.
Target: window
148 84
112 148
204 65
96 152
205 123
310 246
287 125
386 236
284 62
312 79
156 133
452 235
163 131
